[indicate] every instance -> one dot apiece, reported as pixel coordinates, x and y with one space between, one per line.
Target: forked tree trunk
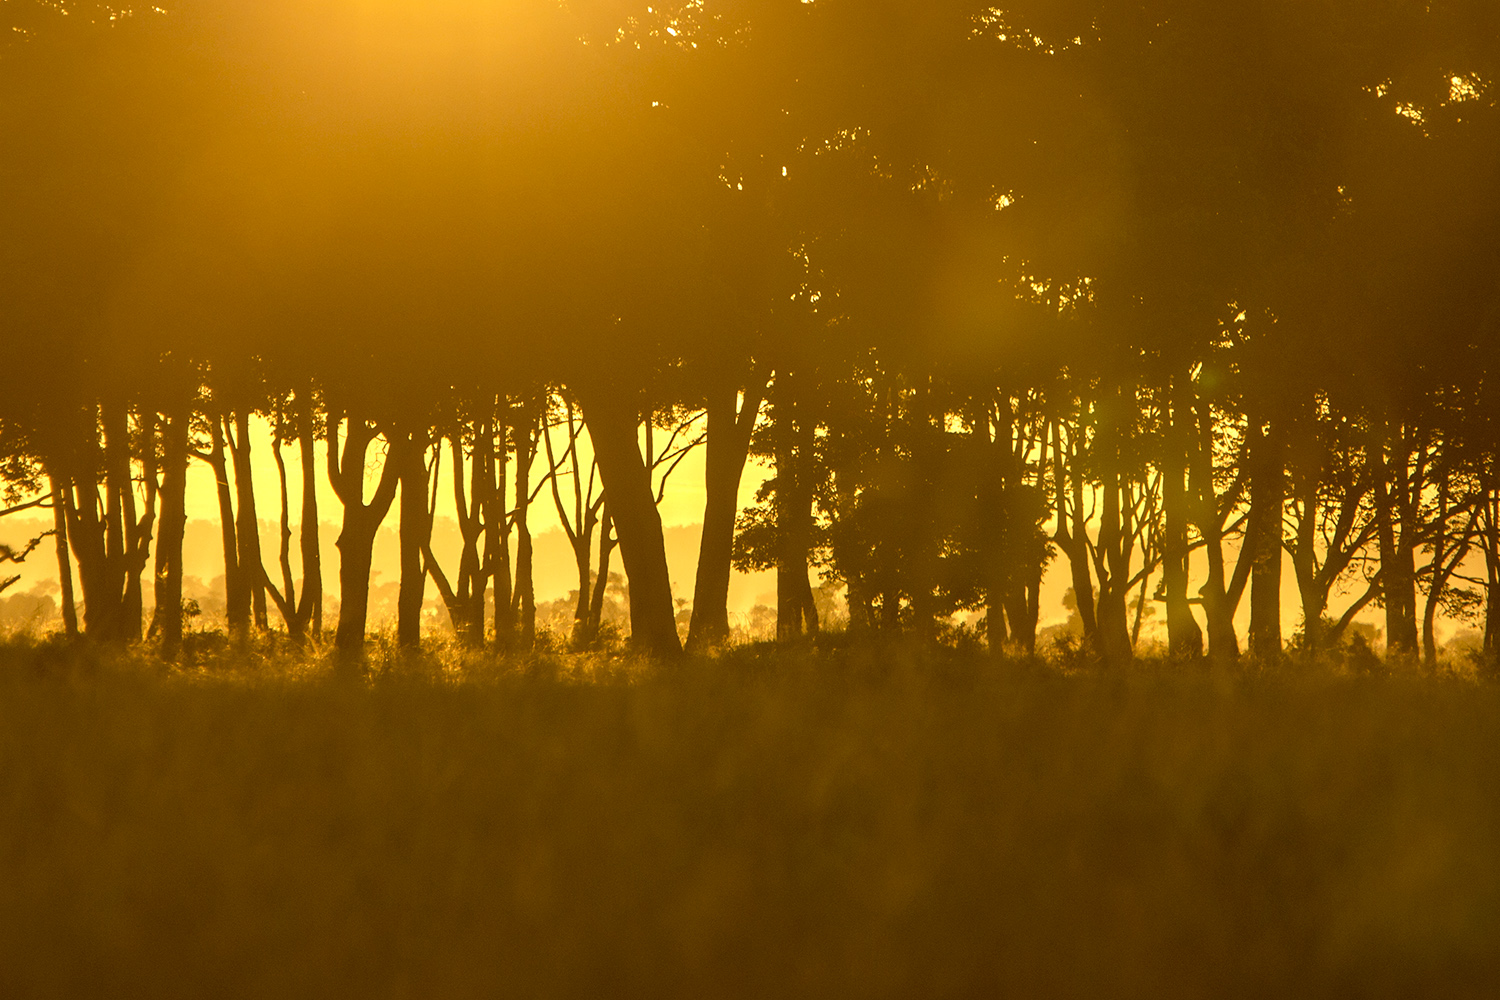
361 521
465 598
298 612
1220 595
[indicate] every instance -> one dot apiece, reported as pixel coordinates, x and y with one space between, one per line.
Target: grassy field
773 824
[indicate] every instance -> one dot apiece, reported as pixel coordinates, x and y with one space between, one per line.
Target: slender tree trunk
1445 562
789 562
1491 540
416 533
994 456
119 494
1072 526
497 536
141 530
1304 556
86 534
285 598
1113 616
861 606
1397 572
236 590
1267 499
1218 608
64 561
310 608
465 603
475 516
601 579
247 521
1184 637
524 597
1022 580
921 571
1140 611
168 574
577 526
137 531
994 515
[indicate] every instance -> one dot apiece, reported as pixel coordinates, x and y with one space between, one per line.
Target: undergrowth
824 820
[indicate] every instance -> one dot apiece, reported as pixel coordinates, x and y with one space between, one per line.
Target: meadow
826 821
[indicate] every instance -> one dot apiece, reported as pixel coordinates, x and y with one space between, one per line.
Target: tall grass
770 824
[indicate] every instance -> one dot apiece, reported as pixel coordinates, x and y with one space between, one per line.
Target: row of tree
1167 291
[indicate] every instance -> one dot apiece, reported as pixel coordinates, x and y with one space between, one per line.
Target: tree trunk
310 607
577 526
993 458
247 520
298 612
1304 554
86 535
789 561
119 493
1267 498
1184 636
601 578
356 549
1218 602
138 530
64 562
1113 617
1398 574
168 573
1070 535
236 591
728 446
416 533
524 597
497 535
286 597
465 602
1491 540
1447 553
361 521
612 427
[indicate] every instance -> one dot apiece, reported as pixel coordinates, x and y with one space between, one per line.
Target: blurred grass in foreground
773 824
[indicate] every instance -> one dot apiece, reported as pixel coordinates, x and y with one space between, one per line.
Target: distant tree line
1171 292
